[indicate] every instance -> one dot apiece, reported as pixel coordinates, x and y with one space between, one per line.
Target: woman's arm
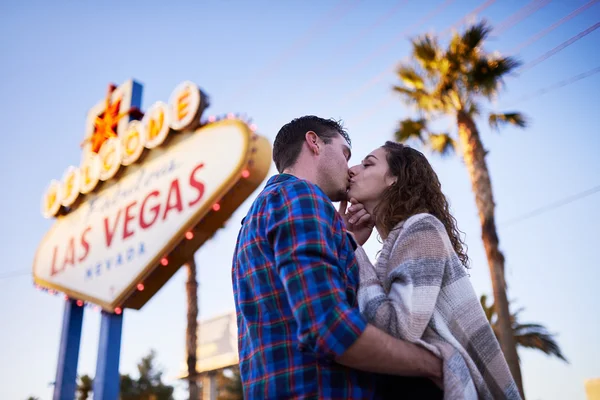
414 273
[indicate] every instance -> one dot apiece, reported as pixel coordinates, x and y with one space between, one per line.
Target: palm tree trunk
191 287
474 157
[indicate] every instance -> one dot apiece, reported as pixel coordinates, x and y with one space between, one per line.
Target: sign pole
107 379
68 354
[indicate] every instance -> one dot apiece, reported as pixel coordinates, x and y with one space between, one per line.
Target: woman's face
370 179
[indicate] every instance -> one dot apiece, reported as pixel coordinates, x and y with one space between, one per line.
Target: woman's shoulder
423 221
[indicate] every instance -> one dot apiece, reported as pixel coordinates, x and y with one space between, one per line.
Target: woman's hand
358 221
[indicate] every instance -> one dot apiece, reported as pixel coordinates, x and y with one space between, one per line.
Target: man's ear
312 140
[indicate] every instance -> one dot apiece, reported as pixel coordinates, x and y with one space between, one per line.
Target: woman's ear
390 180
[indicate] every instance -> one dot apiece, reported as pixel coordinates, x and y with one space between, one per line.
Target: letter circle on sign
90 173
184 103
110 155
133 141
70 186
52 199
156 124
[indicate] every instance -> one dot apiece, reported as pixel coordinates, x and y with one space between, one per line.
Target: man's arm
376 351
300 231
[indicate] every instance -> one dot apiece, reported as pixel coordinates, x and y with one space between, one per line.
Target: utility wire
559 48
552 27
550 207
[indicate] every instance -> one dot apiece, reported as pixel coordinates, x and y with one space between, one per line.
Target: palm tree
84 387
191 334
530 335
453 82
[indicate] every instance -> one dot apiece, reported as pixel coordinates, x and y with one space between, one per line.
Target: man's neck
304 174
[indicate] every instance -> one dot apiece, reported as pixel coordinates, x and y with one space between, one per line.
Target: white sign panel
106 244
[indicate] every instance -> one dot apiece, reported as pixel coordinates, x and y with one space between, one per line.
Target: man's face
333 168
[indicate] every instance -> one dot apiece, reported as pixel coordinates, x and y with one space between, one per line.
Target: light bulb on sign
79 303
245 173
216 207
140 286
189 235
118 311
164 261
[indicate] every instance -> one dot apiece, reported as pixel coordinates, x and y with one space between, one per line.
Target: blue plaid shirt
295 280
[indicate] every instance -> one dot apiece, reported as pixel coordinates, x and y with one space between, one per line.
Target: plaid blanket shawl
419 291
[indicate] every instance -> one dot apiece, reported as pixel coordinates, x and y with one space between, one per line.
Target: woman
419 290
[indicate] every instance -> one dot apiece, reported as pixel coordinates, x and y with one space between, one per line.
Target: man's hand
358 221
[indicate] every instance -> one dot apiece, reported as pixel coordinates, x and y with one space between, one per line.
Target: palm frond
498 120
406 92
426 51
474 36
411 129
410 77
487 74
422 99
473 109
540 340
442 143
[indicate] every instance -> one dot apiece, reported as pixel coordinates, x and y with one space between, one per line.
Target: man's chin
339 196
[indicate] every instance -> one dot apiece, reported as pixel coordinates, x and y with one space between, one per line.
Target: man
295 279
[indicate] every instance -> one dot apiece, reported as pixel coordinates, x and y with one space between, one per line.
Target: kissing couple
317 319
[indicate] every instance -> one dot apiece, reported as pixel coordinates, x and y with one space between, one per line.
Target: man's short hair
290 137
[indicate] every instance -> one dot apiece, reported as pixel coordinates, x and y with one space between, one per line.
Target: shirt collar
280 178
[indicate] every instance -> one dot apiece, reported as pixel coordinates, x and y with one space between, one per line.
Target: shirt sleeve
301 232
414 277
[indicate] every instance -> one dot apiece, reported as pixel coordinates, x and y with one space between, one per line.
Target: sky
275 61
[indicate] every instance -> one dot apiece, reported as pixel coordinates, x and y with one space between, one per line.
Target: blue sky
275 61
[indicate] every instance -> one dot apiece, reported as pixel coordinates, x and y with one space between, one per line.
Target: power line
523 13
385 17
401 36
558 85
326 22
547 55
392 69
14 274
549 29
470 15
560 47
552 206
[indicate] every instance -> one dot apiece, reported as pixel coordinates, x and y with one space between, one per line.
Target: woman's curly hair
416 190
